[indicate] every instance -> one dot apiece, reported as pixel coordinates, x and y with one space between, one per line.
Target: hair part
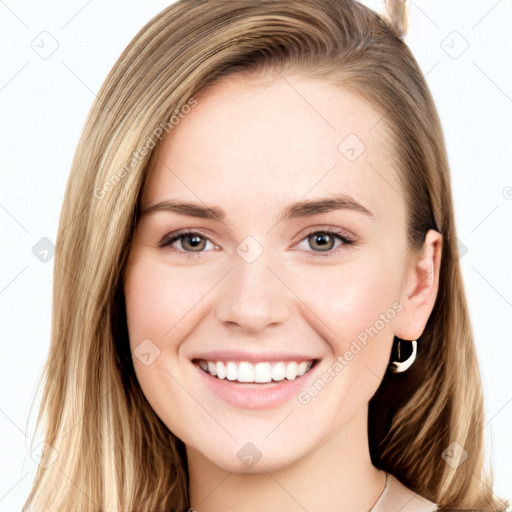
113 450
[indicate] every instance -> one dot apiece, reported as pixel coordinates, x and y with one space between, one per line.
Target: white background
44 102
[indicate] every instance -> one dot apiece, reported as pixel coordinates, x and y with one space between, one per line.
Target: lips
253 395
238 356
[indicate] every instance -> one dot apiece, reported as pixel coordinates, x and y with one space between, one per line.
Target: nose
253 296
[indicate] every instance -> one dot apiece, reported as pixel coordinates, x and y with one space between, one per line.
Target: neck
336 476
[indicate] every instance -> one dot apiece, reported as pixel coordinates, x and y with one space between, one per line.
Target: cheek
162 304
353 307
350 298
160 301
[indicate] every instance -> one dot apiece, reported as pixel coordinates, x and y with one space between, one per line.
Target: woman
210 348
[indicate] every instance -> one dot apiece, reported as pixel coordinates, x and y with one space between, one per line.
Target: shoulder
397 497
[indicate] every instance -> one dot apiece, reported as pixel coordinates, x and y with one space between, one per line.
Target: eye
325 241
191 242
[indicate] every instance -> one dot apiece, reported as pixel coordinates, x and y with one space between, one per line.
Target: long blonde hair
113 452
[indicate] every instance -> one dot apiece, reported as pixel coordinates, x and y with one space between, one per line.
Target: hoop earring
402 366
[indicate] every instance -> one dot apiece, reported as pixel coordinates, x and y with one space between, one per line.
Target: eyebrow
299 209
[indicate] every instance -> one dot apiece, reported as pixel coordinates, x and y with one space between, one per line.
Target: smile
261 372
259 384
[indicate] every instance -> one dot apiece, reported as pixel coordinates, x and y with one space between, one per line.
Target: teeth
231 371
220 370
278 371
259 372
211 368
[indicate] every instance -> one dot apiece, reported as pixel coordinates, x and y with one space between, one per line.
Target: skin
252 147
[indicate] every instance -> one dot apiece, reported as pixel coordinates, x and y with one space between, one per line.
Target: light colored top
396 497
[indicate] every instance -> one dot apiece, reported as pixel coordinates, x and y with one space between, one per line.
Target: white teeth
260 372
291 371
279 371
211 368
231 371
220 369
245 372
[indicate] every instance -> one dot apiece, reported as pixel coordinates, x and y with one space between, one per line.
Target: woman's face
258 172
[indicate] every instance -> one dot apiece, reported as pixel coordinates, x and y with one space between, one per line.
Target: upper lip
239 356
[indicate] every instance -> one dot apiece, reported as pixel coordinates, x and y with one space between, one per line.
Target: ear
421 287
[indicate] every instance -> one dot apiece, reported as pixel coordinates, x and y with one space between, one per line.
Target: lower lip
256 396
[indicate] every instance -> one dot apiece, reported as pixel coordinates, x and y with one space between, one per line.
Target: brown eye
190 242
195 242
322 241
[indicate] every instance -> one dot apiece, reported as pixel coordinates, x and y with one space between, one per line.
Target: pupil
323 237
194 241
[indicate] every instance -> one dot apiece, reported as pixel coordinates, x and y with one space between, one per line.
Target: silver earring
402 366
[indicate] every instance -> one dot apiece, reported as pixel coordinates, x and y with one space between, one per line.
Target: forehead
252 143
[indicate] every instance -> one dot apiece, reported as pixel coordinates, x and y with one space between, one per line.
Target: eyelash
169 239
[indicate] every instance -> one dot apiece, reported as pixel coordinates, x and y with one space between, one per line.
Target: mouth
262 372
252 382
